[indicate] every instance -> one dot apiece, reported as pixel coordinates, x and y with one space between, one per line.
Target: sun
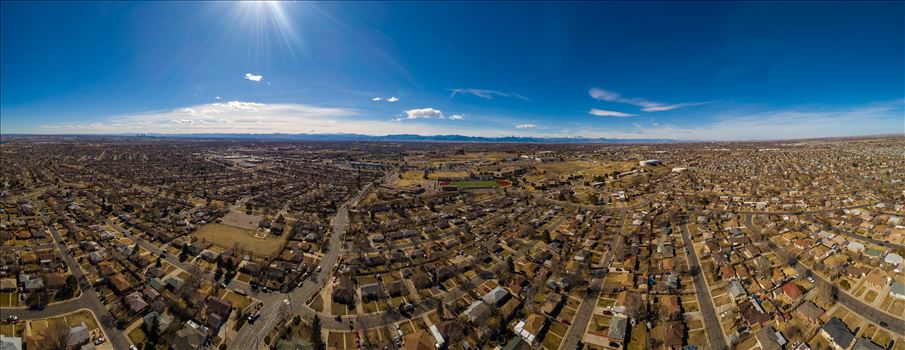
270 22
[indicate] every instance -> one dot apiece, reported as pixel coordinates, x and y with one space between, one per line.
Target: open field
447 174
227 236
241 220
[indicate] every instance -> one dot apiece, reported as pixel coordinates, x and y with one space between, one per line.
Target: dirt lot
241 220
227 236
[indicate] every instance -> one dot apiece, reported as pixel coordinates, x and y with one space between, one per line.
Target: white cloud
424 113
605 113
246 117
252 77
486 94
217 97
526 126
387 99
457 117
646 105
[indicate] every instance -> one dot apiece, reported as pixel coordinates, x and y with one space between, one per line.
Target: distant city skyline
648 70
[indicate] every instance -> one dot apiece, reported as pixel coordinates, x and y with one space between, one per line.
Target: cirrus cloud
606 113
526 126
646 105
486 94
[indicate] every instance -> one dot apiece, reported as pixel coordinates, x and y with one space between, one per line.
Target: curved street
868 312
87 300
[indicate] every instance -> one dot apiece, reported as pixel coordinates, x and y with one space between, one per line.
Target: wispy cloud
526 126
252 77
486 94
457 117
791 123
671 107
646 105
387 99
605 113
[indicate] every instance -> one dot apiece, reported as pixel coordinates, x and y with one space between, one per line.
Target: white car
99 341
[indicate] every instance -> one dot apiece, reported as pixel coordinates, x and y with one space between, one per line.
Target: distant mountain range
407 137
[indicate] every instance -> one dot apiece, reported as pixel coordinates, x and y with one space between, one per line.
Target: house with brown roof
452 331
420 340
344 292
673 333
119 284
531 328
670 307
809 311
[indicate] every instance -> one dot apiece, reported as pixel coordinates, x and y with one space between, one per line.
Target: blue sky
702 71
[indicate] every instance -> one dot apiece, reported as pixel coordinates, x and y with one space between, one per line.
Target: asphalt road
870 313
249 336
794 212
585 310
87 300
715 335
851 234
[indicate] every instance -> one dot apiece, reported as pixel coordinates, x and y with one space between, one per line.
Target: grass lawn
339 309
317 303
558 328
604 302
473 184
371 307
639 337
881 338
551 341
8 330
870 296
82 316
350 340
9 299
243 277
38 326
698 338
335 340
137 336
407 328
227 236
239 301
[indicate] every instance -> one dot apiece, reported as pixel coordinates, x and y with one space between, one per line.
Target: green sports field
473 184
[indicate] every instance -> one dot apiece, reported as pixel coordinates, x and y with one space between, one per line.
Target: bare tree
56 337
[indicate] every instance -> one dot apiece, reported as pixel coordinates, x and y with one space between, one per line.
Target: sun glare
269 22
